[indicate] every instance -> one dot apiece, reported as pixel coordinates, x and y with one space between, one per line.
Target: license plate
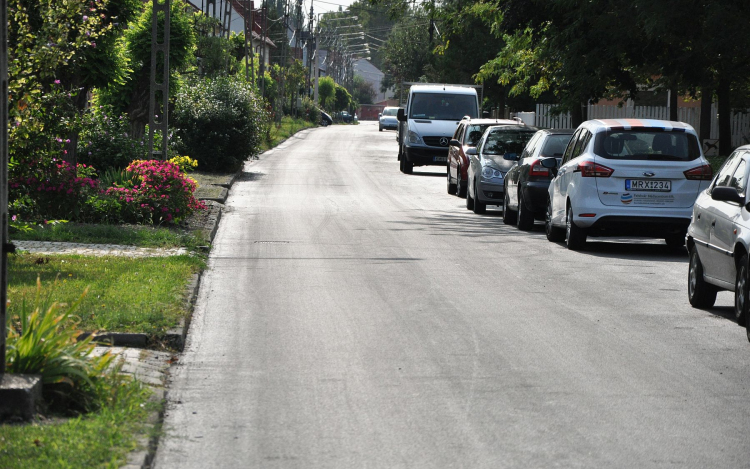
439 158
654 185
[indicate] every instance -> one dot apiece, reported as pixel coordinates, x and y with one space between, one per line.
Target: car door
512 178
566 175
554 188
724 234
705 218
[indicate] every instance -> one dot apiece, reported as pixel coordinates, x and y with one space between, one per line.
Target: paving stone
53 247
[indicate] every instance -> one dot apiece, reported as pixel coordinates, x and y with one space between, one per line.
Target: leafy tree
326 92
406 53
342 100
362 91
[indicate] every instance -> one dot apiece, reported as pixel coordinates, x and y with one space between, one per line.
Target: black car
325 119
526 183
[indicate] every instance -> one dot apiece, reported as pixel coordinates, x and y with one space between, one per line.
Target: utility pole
311 48
6 247
262 65
159 108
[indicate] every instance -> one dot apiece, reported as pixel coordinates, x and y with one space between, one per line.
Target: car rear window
555 145
474 133
502 141
647 145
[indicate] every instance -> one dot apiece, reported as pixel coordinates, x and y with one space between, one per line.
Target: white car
626 177
388 119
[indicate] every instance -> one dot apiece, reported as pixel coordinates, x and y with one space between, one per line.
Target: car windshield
390 111
647 145
502 141
474 133
555 145
441 106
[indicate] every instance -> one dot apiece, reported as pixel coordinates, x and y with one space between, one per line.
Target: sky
321 6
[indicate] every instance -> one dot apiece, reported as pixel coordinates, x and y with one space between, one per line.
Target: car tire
700 293
380 128
554 233
408 165
525 217
469 200
741 290
479 207
401 164
575 236
509 216
452 188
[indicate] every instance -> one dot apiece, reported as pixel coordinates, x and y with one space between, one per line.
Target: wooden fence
740 120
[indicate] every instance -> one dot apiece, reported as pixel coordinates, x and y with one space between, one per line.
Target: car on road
388 119
490 160
325 119
467 134
718 238
346 117
626 177
527 182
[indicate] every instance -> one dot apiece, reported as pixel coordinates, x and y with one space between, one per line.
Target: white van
429 120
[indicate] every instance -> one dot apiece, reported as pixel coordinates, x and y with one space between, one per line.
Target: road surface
356 317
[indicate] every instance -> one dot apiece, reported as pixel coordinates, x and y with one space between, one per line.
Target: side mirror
727 194
471 151
401 116
455 143
549 163
511 156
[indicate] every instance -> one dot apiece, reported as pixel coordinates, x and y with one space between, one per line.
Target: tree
342 98
326 92
406 53
361 90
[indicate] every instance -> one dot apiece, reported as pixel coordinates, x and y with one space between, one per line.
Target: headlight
413 137
489 172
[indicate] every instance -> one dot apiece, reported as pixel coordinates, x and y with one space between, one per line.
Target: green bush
219 122
309 111
105 143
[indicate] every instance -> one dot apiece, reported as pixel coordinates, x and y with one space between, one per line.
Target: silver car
495 153
387 119
718 238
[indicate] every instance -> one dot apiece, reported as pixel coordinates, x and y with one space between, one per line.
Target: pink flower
57 82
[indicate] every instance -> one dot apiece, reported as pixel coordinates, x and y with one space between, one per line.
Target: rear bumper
535 194
657 227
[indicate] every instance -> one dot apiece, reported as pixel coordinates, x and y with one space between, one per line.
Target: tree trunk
707 98
578 114
725 124
673 102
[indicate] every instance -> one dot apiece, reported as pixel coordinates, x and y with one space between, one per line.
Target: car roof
442 88
600 125
491 121
516 126
558 131
743 147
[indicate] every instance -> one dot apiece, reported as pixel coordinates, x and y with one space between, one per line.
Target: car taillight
589 169
536 169
701 173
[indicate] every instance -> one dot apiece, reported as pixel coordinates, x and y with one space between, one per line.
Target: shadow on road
425 173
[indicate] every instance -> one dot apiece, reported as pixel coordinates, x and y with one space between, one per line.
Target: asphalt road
356 317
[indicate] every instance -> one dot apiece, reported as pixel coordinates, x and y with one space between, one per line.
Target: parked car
325 119
527 182
626 177
718 238
388 119
489 162
467 134
346 117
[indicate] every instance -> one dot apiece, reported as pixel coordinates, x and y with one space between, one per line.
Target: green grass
289 126
99 439
130 235
716 162
126 295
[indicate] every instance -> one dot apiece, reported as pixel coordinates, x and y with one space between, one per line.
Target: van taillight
536 169
589 169
701 173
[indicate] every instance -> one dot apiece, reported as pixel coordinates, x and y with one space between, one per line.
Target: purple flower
57 82
93 44
85 18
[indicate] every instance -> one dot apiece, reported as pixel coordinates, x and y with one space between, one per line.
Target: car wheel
401 164
700 294
479 207
575 236
380 128
554 233
509 216
451 186
469 199
741 287
408 165
525 217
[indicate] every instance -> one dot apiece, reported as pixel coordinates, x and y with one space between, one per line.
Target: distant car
527 182
346 117
489 162
467 134
626 177
388 119
718 238
325 119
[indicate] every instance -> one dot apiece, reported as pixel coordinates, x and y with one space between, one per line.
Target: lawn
125 295
289 126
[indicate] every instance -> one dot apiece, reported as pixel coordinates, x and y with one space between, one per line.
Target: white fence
740 121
